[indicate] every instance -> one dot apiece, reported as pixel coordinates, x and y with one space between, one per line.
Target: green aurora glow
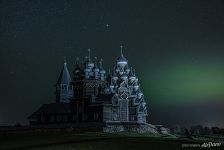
178 83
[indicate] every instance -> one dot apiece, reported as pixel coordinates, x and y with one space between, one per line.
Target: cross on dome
89 51
121 60
65 60
121 50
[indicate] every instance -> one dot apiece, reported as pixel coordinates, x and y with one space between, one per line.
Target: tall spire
64 77
63 87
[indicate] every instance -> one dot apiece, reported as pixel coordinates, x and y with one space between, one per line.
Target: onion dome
127 70
136 86
86 69
116 85
90 64
124 77
95 68
140 94
107 90
114 77
77 69
111 85
102 71
137 100
121 72
141 108
117 69
136 79
132 76
121 60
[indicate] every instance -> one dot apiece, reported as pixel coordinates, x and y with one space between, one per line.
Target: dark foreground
94 141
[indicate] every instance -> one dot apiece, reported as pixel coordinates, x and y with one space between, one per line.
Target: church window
132 118
84 117
115 116
42 118
33 119
80 109
52 118
64 117
58 118
64 87
73 117
95 116
70 87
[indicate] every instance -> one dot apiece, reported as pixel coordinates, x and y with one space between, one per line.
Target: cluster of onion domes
89 69
123 74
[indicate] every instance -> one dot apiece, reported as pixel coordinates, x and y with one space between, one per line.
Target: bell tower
64 88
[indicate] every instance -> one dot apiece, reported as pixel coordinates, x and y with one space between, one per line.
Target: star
11 72
107 25
84 27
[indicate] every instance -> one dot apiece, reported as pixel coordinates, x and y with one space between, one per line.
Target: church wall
53 118
107 113
95 113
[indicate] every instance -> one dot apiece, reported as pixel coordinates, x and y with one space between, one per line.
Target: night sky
176 47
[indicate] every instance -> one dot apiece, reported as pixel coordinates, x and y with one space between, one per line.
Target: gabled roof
64 77
53 108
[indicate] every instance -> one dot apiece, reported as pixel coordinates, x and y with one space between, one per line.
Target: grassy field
90 141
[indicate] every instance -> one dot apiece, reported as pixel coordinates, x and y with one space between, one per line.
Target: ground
61 140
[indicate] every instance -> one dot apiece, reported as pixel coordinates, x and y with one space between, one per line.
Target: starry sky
176 47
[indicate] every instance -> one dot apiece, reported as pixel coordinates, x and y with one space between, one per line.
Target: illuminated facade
95 96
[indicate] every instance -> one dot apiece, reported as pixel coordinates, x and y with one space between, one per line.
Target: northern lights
176 47
187 82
